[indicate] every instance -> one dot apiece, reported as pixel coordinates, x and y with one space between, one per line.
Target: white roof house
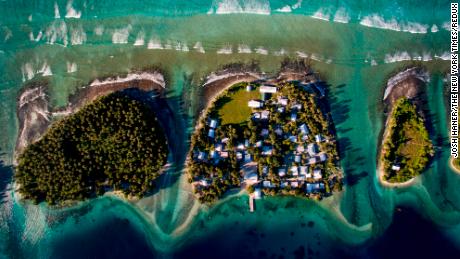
317 174
255 104
259 143
322 157
213 123
297 106
257 193
213 154
225 140
395 167
312 149
294 184
304 129
201 155
300 148
267 150
251 176
293 116
264 132
224 154
211 133
268 89
239 155
267 184
240 146
249 88
264 115
204 182
303 170
312 161
256 115
295 170
280 109
218 147
297 158
292 138
318 138
281 172
283 101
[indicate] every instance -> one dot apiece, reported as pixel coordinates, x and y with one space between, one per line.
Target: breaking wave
237 6
377 21
321 14
120 36
154 44
140 39
242 48
225 50
199 47
71 12
57 15
57 32
77 36
341 16
261 50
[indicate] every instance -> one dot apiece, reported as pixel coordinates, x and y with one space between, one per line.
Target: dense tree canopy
113 143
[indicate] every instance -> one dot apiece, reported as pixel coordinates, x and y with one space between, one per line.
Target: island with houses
270 137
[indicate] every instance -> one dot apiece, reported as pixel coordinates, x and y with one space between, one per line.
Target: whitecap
154 44
77 36
45 70
397 57
242 48
27 71
373 62
99 30
29 18
280 52
120 36
225 50
71 12
377 21
446 26
71 67
199 47
320 14
301 54
57 15
284 9
341 16
297 5
234 6
140 39
434 28
261 50
443 56
57 31
168 45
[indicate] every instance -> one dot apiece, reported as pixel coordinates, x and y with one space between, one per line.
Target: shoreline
402 84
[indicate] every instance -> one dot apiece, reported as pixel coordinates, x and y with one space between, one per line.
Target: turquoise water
355 46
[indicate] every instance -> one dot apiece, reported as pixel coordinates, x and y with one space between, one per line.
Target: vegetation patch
407 147
114 143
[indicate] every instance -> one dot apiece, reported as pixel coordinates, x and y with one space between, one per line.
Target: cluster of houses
299 171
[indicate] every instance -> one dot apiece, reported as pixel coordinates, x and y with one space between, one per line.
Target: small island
114 143
406 145
270 137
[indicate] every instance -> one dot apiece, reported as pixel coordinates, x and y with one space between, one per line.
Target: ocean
354 45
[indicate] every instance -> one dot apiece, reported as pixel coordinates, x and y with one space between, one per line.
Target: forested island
272 138
407 147
114 143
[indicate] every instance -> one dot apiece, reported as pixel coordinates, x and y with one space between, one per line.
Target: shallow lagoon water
353 57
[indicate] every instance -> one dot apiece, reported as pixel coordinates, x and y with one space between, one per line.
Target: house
293 116
264 115
205 182
251 176
211 133
239 155
300 148
246 142
249 88
296 106
284 184
294 184
255 104
280 109
218 147
267 150
395 167
309 188
264 133
201 155
322 157
267 184
240 146
282 101
295 171
257 193
225 140
224 154
318 138
213 123
214 154
279 131
308 175
304 129
259 143
256 116
312 161
312 149
297 158
265 170
292 138
268 89
317 174
281 172
303 170
247 158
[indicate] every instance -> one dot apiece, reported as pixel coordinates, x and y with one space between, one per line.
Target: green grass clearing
233 108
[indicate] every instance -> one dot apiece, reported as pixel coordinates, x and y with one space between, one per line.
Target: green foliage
113 143
408 143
